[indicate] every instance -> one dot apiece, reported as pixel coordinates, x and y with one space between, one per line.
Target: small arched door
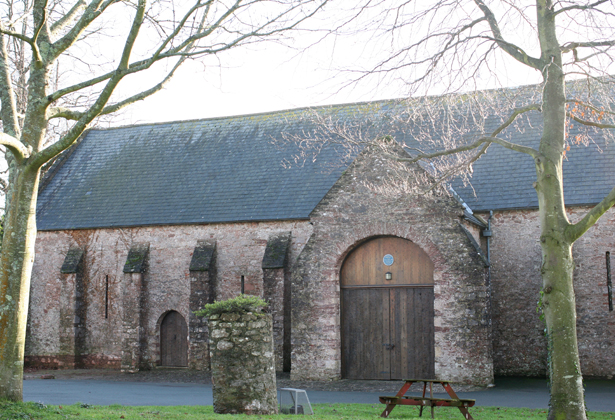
387 311
173 340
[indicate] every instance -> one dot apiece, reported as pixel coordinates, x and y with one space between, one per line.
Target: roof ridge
255 114
315 107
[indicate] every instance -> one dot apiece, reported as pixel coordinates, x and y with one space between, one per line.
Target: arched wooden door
173 340
387 324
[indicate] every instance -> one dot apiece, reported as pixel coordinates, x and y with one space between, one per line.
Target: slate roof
206 171
232 169
502 179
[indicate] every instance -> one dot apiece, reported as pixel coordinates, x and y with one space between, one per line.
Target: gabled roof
207 171
233 169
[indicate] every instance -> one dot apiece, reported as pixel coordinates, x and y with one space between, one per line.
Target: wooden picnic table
402 399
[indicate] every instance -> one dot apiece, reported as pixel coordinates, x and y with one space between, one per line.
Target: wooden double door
387 311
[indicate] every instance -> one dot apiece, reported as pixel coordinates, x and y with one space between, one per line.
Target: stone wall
166 282
243 364
351 213
203 281
363 205
82 318
277 293
519 343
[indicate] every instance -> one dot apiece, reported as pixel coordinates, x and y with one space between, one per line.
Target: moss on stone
241 304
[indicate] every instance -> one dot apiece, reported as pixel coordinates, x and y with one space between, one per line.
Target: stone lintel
136 262
73 260
276 250
202 256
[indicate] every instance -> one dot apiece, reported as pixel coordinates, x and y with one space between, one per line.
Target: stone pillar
202 291
276 281
133 303
242 364
72 319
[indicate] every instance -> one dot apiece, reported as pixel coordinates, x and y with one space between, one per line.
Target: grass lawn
31 411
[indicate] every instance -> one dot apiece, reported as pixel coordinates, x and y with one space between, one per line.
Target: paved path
508 392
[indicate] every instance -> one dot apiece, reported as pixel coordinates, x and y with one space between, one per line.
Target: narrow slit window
243 281
106 296
609 284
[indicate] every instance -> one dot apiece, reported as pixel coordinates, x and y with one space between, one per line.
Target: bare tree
453 46
36 34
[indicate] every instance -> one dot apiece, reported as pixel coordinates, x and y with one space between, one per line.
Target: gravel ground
180 375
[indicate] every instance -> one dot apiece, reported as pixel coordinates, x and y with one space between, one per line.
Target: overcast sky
268 76
260 78
307 70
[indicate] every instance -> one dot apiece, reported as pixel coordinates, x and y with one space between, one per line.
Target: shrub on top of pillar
242 358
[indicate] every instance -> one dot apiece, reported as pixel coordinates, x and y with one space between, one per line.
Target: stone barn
139 226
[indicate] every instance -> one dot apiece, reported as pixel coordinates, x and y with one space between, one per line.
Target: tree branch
37 31
3 185
68 17
570 46
75 115
63 112
87 83
589 123
242 36
514 115
158 55
512 146
514 51
69 114
92 11
488 140
75 131
8 112
181 24
16 35
466 164
16 147
578 7
590 106
575 231
184 49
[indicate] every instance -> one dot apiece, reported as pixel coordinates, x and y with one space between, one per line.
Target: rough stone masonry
243 363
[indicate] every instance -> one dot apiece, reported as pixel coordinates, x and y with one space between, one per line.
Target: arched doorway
387 311
173 340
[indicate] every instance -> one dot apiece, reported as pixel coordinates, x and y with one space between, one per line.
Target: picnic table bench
401 399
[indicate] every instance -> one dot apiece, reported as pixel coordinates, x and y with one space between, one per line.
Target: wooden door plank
424 303
183 343
174 340
399 334
365 266
413 333
414 350
374 314
365 330
164 341
385 337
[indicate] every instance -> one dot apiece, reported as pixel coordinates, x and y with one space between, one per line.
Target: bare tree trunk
15 270
558 300
560 314
567 400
